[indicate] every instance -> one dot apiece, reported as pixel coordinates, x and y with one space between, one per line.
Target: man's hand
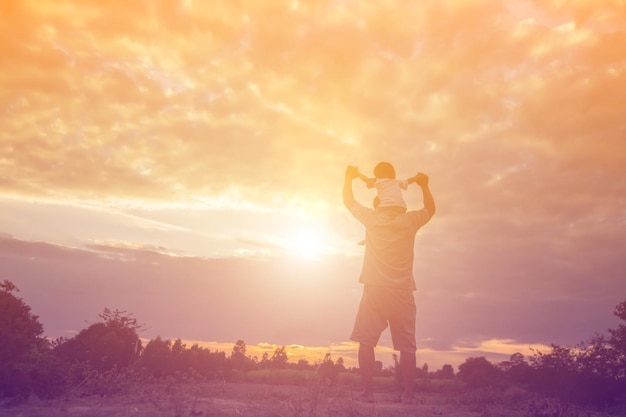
352 172
421 179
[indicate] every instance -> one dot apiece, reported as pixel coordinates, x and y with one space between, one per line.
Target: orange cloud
196 128
192 98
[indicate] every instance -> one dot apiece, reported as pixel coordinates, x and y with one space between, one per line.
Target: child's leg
392 209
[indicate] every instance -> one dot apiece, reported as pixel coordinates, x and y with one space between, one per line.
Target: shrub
112 343
479 372
22 344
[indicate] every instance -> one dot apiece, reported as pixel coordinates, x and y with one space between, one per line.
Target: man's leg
407 373
366 369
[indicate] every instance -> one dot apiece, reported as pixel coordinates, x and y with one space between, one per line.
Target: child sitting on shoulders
388 187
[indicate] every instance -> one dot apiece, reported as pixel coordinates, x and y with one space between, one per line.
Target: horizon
184 160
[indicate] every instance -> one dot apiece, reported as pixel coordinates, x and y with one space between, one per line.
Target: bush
22 344
478 373
112 343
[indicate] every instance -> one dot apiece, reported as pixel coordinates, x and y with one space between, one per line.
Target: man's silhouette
387 275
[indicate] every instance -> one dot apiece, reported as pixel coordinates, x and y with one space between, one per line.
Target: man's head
384 170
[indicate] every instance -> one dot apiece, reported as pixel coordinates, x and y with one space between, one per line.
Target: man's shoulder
358 209
421 216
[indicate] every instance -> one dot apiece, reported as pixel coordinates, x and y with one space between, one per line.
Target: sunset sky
183 161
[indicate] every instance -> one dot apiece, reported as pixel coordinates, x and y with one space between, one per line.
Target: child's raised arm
369 181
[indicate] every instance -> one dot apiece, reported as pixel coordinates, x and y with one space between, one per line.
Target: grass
291 393
516 402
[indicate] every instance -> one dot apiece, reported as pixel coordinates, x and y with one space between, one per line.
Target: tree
617 340
238 358
378 367
202 361
517 359
157 358
327 370
446 372
478 372
340 364
265 361
21 342
111 343
516 370
559 358
239 350
20 330
279 358
178 347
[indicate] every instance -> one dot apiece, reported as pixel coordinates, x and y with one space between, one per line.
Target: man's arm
429 202
352 172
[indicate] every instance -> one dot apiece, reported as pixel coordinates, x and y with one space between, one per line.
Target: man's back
389 245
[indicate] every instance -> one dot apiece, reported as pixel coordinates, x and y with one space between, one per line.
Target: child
388 187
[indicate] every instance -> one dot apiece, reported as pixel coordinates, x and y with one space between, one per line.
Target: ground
242 400
264 400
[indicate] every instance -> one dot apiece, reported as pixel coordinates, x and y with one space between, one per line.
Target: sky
183 161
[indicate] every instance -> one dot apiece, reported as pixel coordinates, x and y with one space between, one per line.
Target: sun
307 243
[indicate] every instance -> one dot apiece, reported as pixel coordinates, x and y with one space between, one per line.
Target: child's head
384 170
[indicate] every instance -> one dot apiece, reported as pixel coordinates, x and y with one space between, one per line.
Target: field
239 399
313 398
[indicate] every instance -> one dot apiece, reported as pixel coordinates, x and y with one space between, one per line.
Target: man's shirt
389 245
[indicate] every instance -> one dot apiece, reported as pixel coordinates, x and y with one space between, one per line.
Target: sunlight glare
307 243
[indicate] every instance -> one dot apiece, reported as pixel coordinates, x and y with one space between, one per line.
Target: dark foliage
111 343
479 372
107 356
164 358
22 344
593 373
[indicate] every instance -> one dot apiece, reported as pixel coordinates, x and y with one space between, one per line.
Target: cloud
257 300
215 129
192 98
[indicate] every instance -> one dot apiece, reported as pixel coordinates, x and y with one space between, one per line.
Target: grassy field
294 393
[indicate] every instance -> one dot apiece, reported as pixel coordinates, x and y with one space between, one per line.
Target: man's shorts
382 306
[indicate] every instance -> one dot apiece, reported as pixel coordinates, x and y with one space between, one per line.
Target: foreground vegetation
107 359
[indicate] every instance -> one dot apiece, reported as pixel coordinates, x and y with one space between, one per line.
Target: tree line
593 372
109 354
31 364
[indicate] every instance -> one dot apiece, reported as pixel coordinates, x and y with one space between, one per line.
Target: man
387 275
